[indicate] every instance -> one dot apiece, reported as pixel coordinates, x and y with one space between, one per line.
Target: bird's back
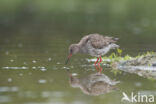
97 41
96 45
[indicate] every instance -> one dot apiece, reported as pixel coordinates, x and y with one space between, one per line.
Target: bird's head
73 49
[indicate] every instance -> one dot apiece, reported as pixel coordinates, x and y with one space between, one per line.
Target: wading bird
95 45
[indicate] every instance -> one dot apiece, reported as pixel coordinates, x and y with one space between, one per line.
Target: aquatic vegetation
117 56
142 64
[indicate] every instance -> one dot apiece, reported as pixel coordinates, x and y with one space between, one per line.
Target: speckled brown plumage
97 41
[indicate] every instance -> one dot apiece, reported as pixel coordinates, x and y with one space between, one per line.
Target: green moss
117 57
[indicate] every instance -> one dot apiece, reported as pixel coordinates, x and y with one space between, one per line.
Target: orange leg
96 63
99 64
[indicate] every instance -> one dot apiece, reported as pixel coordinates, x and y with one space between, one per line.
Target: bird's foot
95 64
99 65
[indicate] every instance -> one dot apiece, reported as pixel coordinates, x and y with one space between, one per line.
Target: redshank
95 45
94 84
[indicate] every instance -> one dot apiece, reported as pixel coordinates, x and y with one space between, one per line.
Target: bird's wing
99 41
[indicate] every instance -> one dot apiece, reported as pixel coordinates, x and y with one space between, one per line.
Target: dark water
34 45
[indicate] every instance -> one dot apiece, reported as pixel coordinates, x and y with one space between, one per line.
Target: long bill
66 62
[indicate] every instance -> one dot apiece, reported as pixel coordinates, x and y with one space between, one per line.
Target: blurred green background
34 40
79 16
75 18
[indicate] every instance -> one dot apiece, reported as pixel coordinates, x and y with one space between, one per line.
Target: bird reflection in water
94 84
